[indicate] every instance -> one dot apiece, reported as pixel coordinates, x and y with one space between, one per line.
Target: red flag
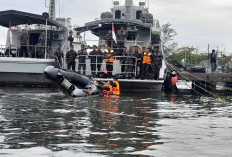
10 36
114 34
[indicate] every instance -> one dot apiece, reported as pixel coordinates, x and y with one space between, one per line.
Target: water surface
45 122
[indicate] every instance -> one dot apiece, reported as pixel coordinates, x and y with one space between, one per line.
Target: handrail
33 50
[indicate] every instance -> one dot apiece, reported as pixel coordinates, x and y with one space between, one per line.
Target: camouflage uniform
109 40
156 64
99 60
93 62
24 41
70 59
82 60
70 39
129 64
121 37
58 58
139 57
41 41
122 61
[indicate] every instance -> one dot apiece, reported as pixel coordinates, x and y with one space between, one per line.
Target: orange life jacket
107 93
147 58
116 90
109 57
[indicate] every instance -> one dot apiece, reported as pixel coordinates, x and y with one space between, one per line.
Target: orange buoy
174 80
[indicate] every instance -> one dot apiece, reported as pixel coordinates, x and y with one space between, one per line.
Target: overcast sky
197 22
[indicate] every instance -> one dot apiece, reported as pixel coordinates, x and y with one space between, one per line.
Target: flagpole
9 38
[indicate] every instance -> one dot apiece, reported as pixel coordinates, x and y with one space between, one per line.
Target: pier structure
207 81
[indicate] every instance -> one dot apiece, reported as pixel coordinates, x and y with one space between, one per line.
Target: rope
207 86
205 90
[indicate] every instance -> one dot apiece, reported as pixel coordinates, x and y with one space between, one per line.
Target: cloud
197 22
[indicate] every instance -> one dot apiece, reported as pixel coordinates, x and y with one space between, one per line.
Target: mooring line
207 91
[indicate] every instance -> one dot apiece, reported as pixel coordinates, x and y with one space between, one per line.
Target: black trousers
120 44
58 63
83 65
71 64
23 51
145 71
93 69
148 71
155 72
99 67
129 71
109 67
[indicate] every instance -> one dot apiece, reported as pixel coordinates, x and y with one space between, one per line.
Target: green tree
168 33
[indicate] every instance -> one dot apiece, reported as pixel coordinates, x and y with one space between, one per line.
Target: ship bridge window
131 36
118 14
138 13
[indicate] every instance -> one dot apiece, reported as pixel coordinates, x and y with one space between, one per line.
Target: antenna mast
52 9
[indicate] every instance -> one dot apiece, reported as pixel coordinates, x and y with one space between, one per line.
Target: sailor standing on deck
150 46
82 59
156 63
58 55
109 60
121 37
23 42
93 60
70 38
70 58
123 59
41 41
138 58
100 58
129 63
109 39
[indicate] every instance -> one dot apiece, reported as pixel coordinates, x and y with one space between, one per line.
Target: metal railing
33 51
117 64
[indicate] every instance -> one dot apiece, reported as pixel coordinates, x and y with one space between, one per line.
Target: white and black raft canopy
10 18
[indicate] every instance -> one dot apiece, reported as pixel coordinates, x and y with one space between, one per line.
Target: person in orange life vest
116 87
105 88
146 64
109 60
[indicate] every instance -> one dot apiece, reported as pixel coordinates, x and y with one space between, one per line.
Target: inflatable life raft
70 82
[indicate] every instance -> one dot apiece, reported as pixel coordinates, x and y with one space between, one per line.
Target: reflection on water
46 122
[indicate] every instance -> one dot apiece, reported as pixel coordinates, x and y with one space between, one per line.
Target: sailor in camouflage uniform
123 59
138 58
93 60
41 41
121 37
156 63
70 58
99 58
58 55
129 63
82 59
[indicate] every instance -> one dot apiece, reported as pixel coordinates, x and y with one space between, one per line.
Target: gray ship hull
138 85
23 71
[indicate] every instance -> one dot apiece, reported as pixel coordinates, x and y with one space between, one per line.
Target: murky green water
43 122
